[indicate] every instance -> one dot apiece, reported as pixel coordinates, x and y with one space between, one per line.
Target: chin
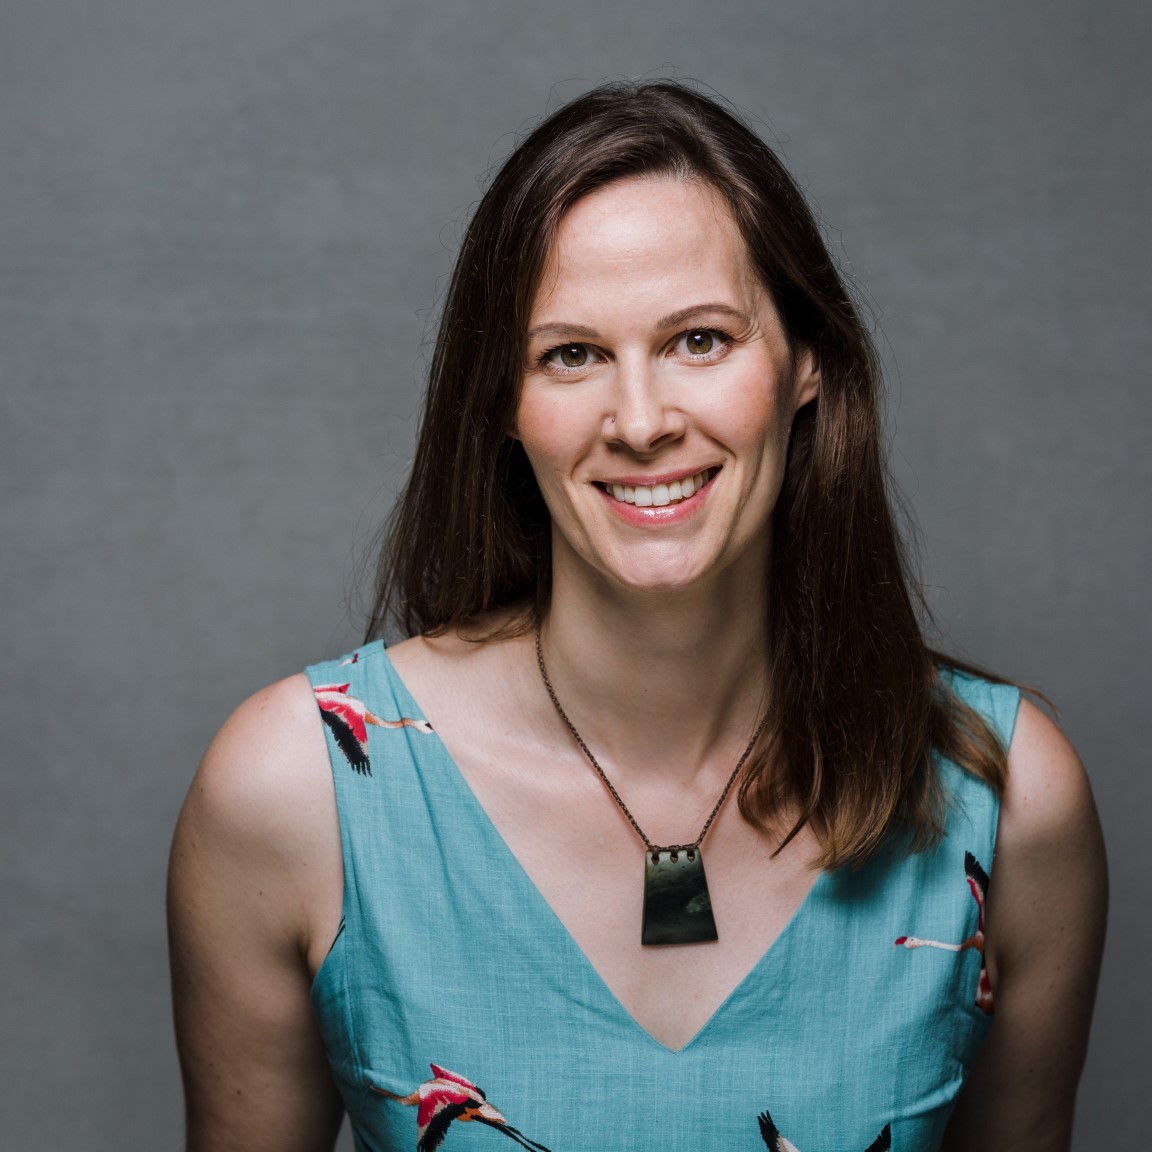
678 577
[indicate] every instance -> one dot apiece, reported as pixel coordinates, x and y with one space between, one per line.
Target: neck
660 683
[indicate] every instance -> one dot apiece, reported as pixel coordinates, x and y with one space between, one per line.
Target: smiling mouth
659 495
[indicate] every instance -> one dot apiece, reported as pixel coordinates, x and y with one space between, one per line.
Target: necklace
677 907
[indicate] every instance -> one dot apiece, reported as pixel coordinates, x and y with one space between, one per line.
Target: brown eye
573 355
699 343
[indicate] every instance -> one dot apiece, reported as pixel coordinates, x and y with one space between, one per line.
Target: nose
643 416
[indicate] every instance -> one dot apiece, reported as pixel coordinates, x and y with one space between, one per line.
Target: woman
657 612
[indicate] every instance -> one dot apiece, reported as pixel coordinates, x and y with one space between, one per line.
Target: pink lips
648 480
650 515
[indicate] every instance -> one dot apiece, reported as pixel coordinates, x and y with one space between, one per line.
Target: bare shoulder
275 731
1052 882
254 894
1046 913
260 822
1048 800
264 782
1052 876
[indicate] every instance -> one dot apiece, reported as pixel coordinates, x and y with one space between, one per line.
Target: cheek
758 418
548 438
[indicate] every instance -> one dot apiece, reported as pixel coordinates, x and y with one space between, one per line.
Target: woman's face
659 389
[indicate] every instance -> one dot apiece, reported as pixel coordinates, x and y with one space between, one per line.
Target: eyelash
547 364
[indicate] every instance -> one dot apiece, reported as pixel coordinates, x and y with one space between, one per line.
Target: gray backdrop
223 230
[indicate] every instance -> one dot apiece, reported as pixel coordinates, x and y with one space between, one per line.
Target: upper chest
559 825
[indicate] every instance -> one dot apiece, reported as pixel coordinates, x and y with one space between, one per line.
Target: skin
664 681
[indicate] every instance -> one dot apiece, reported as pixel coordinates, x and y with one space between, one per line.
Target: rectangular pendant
677 908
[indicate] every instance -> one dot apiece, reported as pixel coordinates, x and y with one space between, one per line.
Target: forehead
646 238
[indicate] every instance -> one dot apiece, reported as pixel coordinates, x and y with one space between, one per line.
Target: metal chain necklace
677 907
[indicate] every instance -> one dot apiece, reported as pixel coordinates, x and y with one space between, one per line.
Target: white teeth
660 495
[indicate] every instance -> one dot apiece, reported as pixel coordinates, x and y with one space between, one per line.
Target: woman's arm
1046 911
254 897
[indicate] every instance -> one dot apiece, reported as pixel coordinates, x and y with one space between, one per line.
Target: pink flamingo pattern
447 1097
978 886
348 719
778 1143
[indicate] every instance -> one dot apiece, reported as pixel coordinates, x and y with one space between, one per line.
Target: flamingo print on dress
447 1097
348 719
778 1143
978 886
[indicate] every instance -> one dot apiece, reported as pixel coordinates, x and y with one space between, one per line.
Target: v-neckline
487 828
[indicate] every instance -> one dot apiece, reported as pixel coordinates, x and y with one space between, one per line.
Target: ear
806 377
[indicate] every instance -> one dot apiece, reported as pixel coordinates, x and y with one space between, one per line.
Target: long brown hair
857 702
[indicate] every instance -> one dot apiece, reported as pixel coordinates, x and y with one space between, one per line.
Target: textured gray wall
223 227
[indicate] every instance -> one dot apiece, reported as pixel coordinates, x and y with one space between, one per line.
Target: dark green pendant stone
677 908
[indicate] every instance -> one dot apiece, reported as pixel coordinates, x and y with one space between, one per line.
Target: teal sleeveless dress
459 1013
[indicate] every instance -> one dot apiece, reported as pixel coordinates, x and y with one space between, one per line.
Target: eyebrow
560 328
671 320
